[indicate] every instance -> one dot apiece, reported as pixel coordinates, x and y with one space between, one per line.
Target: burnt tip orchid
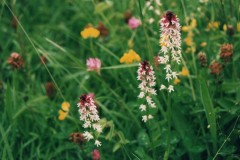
147 78
170 42
169 18
90 117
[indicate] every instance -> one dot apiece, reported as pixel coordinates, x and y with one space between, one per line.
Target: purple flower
134 23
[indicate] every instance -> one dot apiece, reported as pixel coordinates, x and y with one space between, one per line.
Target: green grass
199 120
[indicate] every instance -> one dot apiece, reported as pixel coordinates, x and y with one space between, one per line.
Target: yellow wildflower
203 44
62 115
176 81
188 40
90 32
191 49
130 57
185 28
213 25
238 26
65 106
184 72
193 23
225 27
64 111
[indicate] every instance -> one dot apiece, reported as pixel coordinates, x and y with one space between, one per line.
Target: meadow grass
199 120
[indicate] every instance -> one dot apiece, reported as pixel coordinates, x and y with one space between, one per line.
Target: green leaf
123 140
101 7
230 86
143 138
116 147
141 154
209 109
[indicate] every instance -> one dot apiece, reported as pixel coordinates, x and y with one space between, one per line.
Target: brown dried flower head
215 67
226 52
50 90
1 86
16 61
103 30
77 138
127 16
14 22
202 59
230 30
43 59
156 60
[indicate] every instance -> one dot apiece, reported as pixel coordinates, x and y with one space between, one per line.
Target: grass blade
209 110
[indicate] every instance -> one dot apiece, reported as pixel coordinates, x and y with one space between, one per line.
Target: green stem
150 53
169 113
190 81
193 58
222 5
226 139
92 48
140 10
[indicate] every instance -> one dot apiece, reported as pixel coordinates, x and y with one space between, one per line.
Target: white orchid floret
162 87
87 135
97 143
143 107
170 88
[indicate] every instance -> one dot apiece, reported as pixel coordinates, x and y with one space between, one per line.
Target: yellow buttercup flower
62 115
90 32
176 81
65 106
184 72
238 26
130 57
203 44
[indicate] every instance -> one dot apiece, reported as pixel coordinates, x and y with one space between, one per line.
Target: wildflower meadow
120 80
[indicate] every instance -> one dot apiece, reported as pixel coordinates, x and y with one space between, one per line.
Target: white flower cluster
152 6
89 115
147 78
170 42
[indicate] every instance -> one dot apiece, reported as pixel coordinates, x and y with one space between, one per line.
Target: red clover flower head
96 155
94 64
